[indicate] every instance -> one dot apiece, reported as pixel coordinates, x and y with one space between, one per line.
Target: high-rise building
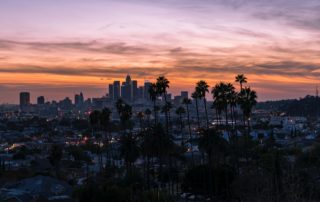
128 79
40 100
65 104
146 95
126 92
78 99
127 89
184 94
24 99
140 92
111 91
134 87
168 97
123 91
116 90
177 100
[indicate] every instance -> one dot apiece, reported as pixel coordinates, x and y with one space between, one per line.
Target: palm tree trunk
140 120
226 110
181 123
148 172
155 112
197 109
166 113
217 116
205 108
234 116
190 135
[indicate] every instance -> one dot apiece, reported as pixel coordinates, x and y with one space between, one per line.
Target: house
38 188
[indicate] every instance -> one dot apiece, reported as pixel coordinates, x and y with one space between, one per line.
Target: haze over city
58 48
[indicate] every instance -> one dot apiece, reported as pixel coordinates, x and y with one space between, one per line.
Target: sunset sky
61 47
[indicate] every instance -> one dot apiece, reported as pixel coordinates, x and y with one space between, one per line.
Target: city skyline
127 89
57 49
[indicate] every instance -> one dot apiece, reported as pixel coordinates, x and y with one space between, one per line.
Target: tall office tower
126 90
128 79
123 91
184 94
116 90
81 98
134 86
169 97
146 95
24 99
111 91
65 104
40 100
78 99
140 92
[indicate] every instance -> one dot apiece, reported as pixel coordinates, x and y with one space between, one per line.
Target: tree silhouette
180 111
202 88
247 100
129 151
148 112
162 86
240 78
140 116
153 93
125 114
195 96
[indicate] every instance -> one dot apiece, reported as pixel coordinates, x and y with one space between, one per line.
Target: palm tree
248 99
125 114
240 78
180 111
229 91
162 86
147 112
187 102
140 116
222 97
94 118
129 150
202 88
105 118
216 148
149 150
105 123
166 110
195 96
153 93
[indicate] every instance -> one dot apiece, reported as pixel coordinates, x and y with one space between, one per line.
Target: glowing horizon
60 48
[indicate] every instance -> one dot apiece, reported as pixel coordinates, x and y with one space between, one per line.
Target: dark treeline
308 106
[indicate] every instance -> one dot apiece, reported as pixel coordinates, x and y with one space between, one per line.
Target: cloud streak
270 41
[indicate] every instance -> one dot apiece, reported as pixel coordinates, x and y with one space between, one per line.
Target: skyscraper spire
128 79
317 91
